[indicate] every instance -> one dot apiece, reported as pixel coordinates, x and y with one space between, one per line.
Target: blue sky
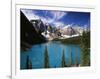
59 18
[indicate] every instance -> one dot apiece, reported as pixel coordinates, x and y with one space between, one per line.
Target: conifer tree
85 47
63 59
28 63
70 59
46 58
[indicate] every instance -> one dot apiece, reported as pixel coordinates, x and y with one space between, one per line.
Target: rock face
29 35
38 25
72 30
68 31
41 27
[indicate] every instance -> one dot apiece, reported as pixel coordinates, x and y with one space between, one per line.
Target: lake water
55 49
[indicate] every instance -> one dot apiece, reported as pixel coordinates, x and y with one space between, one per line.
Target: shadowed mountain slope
29 35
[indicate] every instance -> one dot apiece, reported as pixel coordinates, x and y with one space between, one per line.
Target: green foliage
46 58
85 47
85 39
73 40
85 59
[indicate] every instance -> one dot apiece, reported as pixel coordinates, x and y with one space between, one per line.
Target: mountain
38 25
36 31
68 31
29 35
79 29
72 30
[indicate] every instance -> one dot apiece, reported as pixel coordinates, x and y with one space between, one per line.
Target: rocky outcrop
29 35
68 31
38 25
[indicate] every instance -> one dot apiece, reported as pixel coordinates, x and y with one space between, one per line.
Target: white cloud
47 19
57 15
30 14
59 24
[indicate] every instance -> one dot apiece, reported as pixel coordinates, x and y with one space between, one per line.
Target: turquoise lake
55 50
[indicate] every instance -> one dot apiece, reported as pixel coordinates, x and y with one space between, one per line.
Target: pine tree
46 58
85 45
28 63
63 59
76 61
70 59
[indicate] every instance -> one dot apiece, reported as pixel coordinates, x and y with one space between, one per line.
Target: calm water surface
55 50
